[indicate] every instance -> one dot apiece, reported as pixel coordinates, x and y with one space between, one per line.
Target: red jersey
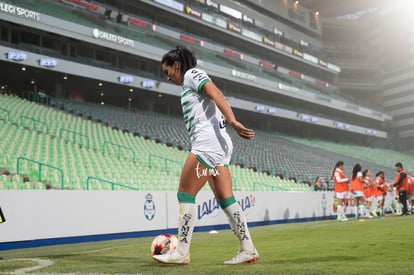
341 181
411 185
368 188
404 183
357 184
381 188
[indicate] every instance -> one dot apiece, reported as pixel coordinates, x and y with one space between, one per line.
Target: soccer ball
163 243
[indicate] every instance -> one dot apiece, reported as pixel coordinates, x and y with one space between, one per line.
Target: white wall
48 214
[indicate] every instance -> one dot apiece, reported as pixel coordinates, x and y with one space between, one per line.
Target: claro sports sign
18 11
98 34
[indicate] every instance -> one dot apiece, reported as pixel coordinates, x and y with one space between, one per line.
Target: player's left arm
210 89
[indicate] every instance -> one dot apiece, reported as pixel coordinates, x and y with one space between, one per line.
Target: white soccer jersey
203 120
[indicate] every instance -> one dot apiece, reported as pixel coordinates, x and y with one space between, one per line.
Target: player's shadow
286 214
266 218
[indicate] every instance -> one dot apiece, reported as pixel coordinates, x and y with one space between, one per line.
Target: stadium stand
278 75
72 9
98 145
379 156
71 12
271 152
138 164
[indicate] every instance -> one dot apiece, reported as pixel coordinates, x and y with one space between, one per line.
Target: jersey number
222 123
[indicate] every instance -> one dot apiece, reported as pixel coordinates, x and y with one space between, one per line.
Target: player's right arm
211 90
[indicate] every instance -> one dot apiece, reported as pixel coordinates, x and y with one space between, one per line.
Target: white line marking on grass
41 263
331 224
334 222
97 250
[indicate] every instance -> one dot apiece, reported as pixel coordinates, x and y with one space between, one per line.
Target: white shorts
380 197
212 159
341 195
213 151
357 194
368 199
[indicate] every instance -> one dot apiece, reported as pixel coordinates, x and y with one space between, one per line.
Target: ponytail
339 163
357 168
182 55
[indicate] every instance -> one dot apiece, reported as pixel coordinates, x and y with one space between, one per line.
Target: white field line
41 263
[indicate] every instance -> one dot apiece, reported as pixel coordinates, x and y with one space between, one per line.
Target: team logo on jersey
198 76
149 207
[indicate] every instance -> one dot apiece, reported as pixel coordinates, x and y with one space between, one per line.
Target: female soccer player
380 192
357 189
341 189
411 191
368 192
206 113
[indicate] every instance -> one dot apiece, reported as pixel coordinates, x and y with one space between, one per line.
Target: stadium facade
282 67
272 67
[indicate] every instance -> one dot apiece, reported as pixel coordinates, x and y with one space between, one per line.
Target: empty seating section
116 156
148 125
267 153
139 149
384 158
145 150
271 153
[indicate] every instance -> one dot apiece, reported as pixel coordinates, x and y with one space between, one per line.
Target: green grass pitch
375 246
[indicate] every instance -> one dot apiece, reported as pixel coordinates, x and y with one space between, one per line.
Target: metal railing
273 187
166 162
40 166
113 184
34 123
7 113
119 148
74 135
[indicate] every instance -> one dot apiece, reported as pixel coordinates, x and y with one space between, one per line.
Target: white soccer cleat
244 257
344 218
172 257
